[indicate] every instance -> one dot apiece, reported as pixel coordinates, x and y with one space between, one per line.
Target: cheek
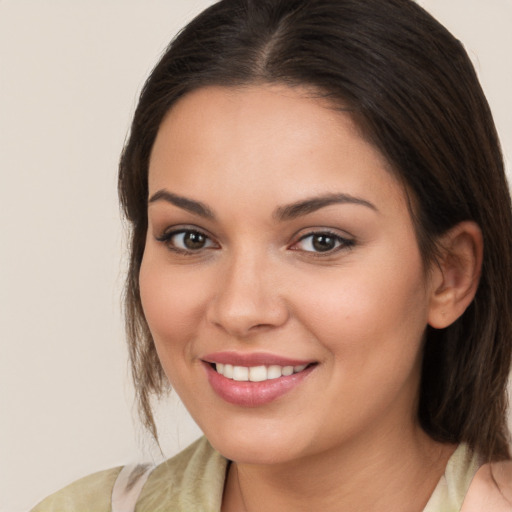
173 305
366 315
371 327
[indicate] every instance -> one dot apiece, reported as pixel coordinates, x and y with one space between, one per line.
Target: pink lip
252 359
253 394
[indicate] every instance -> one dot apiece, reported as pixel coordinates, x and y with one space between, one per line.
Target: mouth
234 379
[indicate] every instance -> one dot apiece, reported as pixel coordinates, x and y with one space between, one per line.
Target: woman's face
279 243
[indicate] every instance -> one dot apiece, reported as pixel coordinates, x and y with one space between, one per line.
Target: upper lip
253 359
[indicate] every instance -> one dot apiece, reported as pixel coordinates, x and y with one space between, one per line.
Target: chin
258 444
254 453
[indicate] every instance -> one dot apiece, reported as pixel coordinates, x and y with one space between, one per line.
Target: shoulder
490 489
193 480
92 492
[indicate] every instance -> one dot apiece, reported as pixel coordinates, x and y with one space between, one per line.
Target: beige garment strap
128 486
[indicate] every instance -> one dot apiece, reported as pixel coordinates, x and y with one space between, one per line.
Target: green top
454 484
193 481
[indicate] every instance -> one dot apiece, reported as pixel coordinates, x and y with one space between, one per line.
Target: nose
247 299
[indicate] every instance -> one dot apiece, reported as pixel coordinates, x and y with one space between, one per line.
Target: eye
187 240
322 242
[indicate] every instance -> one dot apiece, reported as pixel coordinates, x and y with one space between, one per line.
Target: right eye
187 241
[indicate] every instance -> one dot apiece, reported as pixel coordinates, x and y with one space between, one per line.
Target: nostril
260 326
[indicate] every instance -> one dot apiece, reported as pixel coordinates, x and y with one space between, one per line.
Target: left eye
188 240
321 242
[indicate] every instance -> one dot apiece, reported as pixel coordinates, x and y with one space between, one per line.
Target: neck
396 472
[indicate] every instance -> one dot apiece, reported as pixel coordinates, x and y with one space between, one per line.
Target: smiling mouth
246 381
259 373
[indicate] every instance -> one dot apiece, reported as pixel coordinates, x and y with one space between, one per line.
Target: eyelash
167 237
340 242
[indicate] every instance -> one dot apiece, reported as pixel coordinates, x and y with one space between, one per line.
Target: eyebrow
182 202
282 213
303 207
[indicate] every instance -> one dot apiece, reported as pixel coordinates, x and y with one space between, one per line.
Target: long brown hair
410 86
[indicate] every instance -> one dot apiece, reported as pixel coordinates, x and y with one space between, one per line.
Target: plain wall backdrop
70 72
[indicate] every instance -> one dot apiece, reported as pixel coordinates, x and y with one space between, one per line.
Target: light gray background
69 75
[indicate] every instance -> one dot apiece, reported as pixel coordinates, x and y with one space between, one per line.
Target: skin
346 438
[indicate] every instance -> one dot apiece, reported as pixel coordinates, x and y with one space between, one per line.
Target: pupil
194 240
323 243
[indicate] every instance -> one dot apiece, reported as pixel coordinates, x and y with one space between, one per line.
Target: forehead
269 139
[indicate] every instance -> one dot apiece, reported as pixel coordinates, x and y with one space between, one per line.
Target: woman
320 266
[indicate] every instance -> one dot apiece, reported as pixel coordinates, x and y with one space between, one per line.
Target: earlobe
456 274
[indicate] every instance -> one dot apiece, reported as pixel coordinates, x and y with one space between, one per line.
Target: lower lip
253 394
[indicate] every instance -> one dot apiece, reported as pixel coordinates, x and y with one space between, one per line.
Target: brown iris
193 240
323 242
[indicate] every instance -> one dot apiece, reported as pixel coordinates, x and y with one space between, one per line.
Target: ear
456 273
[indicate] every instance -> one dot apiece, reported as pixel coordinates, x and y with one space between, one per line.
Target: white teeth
257 373
274 372
228 371
240 373
287 370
